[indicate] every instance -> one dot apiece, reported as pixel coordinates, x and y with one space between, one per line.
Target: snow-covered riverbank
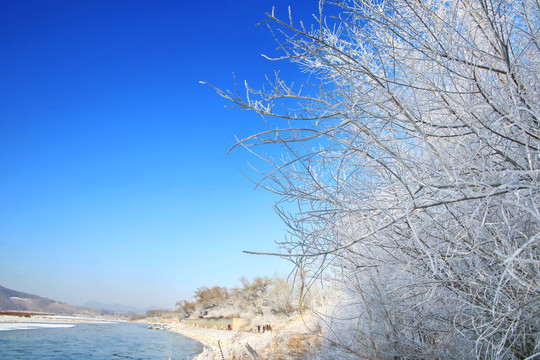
291 338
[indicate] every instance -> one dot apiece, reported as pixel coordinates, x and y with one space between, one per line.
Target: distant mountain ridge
13 300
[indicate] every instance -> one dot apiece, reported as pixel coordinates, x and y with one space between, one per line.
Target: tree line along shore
261 315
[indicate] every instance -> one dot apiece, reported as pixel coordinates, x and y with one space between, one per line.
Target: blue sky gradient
115 181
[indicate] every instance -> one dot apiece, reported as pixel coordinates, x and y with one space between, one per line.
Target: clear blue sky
115 184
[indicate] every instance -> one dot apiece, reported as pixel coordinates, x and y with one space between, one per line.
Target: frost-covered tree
260 296
254 294
185 308
209 298
411 148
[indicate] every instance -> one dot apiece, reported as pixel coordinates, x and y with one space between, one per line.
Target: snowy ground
291 338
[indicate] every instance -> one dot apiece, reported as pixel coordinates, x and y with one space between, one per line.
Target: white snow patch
21 299
28 326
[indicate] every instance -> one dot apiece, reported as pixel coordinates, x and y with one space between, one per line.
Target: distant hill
121 308
113 307
12 300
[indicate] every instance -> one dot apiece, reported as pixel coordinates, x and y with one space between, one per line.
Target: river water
96 342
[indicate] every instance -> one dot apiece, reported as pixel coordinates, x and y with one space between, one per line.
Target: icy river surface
93 341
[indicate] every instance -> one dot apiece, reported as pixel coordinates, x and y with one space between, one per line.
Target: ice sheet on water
28 326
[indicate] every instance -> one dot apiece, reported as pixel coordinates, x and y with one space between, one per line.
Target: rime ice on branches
411 150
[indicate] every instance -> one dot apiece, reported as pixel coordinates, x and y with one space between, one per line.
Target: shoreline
291 338
215 341
213 337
